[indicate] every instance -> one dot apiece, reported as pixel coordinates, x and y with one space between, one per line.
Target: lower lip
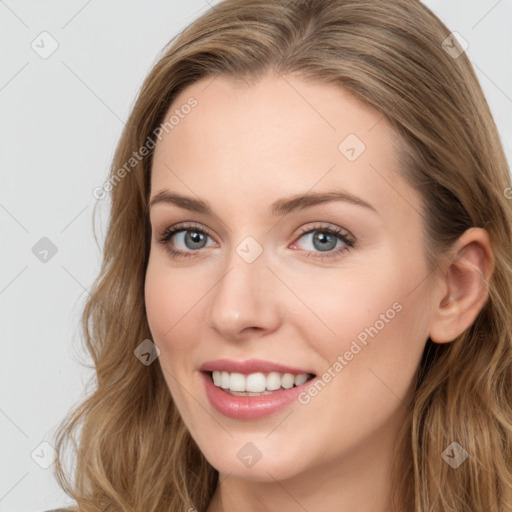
249 407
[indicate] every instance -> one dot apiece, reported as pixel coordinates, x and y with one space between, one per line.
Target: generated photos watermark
137 156
357 345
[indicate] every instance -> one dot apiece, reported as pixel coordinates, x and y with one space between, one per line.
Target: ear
464 289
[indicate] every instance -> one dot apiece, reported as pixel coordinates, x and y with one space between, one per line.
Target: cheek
170 297
370 360
368 314
159 304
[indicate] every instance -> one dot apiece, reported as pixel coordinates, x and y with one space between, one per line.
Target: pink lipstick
253 407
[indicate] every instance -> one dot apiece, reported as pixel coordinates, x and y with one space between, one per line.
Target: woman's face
283 270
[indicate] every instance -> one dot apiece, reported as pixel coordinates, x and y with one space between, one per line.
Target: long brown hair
133 452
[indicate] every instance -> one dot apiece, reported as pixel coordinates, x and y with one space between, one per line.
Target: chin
260 472
250 461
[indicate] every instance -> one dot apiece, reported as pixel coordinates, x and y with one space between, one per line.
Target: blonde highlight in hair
133 451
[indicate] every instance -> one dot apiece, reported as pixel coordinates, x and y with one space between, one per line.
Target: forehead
278 137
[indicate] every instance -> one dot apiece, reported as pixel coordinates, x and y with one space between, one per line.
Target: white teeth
247 393
224 380
300 379
273 381
237 382
288 380
256 383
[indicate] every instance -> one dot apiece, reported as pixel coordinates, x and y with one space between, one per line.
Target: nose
245 301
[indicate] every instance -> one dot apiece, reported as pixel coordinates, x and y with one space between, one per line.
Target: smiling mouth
258 383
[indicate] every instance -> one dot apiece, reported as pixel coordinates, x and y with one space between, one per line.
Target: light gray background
61 118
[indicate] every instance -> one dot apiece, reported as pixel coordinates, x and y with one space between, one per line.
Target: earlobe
466 279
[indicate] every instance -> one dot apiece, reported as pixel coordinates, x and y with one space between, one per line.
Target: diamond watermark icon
455 455
146 352
249 249
455 45
249 454
44 45
351 147
44 250
44 455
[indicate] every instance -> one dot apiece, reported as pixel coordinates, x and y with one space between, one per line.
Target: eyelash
167 234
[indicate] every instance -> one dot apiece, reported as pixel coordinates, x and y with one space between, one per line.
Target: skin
241 148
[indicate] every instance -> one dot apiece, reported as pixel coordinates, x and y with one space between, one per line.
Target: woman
309 258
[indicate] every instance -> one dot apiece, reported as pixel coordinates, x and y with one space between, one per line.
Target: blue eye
192 237
325 241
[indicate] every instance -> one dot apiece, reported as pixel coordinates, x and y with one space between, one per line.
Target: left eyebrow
301 201
279 207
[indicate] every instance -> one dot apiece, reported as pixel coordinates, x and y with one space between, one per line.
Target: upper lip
249 366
